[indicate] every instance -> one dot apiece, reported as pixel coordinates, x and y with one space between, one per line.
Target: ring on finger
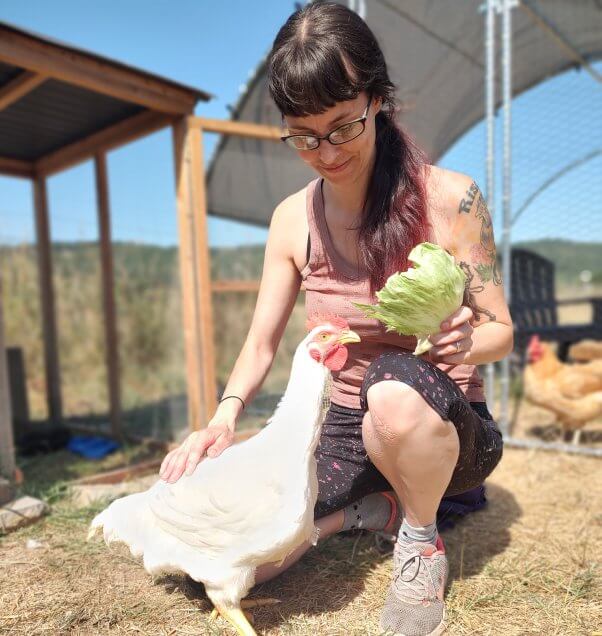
457 343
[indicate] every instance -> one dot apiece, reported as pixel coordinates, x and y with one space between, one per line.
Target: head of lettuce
417 301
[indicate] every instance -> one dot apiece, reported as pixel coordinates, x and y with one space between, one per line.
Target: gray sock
423 534
370 512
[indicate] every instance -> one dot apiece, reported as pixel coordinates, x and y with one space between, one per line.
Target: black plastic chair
534 307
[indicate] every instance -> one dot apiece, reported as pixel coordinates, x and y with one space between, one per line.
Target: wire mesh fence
556 232
146 291
556 260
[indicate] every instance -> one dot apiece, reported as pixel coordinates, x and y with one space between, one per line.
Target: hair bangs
325 53
305 81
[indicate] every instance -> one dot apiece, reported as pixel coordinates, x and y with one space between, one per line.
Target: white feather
251 505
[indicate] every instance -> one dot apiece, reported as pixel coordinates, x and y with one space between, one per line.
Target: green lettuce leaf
415 302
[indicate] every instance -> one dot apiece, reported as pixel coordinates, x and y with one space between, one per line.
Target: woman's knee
396 410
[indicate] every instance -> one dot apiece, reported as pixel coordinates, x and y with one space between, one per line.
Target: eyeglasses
340 135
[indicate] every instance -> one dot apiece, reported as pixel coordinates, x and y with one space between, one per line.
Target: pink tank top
331 283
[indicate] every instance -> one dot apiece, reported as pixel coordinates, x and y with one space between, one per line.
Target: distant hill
140 260
569 257
147 291
246 262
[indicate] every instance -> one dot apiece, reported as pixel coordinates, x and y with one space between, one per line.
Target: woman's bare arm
473 246
278 291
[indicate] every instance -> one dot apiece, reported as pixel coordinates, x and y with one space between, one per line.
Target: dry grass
527 564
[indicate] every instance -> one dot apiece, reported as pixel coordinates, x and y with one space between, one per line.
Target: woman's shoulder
448 193
291 204
290 226
287 212
449 189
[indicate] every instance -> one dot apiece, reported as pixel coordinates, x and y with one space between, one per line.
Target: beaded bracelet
234 396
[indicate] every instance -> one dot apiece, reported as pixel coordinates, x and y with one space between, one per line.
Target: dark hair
326 53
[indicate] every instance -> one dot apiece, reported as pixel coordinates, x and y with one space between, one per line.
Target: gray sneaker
414 605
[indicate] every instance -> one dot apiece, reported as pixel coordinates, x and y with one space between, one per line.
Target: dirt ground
529 563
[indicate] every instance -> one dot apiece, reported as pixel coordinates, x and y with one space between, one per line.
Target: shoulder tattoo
482 252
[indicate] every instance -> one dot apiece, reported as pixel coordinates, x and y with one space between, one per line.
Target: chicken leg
237 617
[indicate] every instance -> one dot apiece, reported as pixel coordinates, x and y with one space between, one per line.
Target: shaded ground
529 563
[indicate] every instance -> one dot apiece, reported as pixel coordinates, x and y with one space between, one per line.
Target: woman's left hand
453 343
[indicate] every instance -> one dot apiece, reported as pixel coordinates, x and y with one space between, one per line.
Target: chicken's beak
348 336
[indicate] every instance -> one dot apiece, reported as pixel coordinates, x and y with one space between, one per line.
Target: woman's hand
214 439
453 343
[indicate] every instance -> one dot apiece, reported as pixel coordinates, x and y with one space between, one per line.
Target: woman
410 428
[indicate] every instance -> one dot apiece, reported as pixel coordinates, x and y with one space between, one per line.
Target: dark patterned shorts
345 471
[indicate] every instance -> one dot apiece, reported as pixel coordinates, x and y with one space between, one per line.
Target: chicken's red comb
321 319
534 341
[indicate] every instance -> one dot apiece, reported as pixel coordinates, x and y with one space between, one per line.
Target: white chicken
253 504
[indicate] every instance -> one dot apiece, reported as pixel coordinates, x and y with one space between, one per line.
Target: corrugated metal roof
8 73
60 112
56 114
200 94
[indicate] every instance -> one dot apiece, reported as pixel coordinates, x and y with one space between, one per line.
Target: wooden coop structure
59 106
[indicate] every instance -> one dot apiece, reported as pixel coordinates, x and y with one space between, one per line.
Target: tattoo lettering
483 254
466 204
469 292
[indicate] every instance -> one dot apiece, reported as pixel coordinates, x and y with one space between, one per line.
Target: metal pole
490 186
536 444
7 442
506 195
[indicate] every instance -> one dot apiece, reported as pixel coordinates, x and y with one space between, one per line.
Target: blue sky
215 46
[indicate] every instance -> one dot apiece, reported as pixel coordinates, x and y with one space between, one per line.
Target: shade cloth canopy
435 52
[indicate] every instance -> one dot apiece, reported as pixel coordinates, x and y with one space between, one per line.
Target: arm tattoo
469 292
466 204
483 254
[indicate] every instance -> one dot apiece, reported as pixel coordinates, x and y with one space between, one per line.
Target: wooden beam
24 83
49 330
242 129
195 274
233 286
16 167
117 475
93 73
7 443
203 269
222 286
108 297
116 135
188 294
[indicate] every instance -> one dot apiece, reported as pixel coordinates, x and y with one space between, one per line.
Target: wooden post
203 269
195 274
7 444
51 356
108 297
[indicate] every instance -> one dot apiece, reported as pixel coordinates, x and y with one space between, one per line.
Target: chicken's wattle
336 357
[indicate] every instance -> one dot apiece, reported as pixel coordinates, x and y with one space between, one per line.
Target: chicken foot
238 618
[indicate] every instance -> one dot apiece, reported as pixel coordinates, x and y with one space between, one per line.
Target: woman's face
351 157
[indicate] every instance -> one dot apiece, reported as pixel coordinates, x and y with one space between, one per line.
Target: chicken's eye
324 336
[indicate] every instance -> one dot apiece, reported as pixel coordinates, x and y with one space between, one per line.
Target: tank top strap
314 242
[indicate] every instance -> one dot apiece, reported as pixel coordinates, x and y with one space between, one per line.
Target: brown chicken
573 392
586 350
